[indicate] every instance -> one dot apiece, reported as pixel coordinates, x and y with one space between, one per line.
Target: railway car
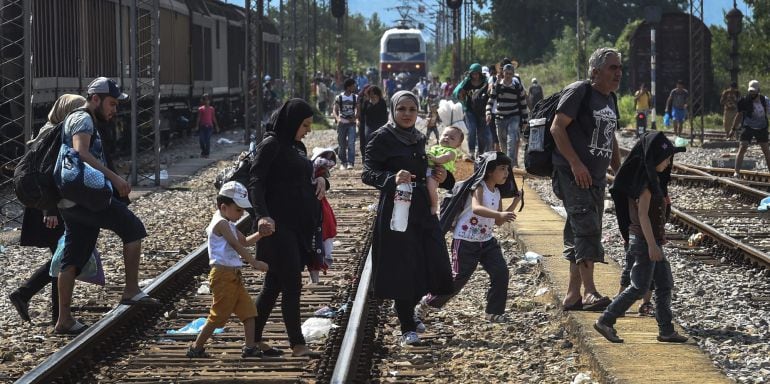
202 50
402 54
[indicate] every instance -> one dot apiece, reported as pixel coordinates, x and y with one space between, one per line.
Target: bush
626 110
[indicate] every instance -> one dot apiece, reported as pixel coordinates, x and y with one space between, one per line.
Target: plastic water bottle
401 202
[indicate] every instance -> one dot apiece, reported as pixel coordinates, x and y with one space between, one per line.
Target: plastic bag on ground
193 328
532 257
316 328
764 204
225 141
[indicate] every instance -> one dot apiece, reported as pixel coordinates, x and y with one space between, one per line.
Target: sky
713 9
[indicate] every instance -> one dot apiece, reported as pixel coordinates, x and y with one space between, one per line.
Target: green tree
525 29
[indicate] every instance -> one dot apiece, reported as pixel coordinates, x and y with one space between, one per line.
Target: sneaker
647 309
342 167
409 338
21 305
251 352
672 338
350 166
193 352
492 318
736 175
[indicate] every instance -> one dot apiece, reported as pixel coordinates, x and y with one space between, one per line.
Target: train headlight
389 66
417 66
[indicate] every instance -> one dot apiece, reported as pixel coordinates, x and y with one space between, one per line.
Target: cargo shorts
229 296
585 208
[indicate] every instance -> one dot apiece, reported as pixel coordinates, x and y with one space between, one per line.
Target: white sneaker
342 167
350 166
409 338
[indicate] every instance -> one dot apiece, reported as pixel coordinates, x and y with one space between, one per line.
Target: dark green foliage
525 29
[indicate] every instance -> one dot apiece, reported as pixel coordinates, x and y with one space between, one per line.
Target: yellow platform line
641 358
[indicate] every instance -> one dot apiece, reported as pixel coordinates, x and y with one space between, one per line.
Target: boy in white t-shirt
225 244
473 242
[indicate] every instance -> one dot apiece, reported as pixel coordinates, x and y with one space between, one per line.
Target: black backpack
237 172
538 150
33 178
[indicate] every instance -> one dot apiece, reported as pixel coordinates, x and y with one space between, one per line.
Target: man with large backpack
82 225
535 93
473 93
584 133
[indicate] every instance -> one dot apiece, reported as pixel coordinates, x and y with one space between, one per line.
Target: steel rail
69 358
347 359
726 240
759 194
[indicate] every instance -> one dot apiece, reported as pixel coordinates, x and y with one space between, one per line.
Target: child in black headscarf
639 193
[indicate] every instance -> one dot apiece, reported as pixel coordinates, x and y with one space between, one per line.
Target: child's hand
431 157
655 253
259 265
506 216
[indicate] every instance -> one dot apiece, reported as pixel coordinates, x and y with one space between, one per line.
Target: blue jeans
204 138
508 132
471 124
477 130
346 138
643 273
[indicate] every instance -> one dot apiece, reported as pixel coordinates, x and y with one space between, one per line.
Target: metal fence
59 47
14 87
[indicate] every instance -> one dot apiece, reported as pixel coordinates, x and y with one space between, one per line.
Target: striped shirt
510 99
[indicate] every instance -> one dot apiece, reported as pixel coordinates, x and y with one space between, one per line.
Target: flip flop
76 329
597 302
141 298
309 354
576 306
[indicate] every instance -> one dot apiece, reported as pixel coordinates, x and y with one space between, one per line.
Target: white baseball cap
237 192
754 86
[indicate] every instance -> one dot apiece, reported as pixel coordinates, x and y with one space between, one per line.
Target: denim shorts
678 114
82 229
585 208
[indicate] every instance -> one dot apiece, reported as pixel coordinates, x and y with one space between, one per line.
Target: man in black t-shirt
585 147
752 116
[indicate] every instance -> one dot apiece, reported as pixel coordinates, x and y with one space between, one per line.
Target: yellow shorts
230 296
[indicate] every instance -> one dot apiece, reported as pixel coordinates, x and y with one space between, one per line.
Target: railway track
722 208
130 344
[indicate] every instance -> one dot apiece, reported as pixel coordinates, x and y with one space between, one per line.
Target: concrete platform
641 358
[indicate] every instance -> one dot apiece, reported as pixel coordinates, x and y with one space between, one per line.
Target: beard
100 115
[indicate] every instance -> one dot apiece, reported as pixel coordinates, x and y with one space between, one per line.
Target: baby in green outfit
444 154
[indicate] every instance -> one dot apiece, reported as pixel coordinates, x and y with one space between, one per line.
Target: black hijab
406 135
455 200
638 172
285 122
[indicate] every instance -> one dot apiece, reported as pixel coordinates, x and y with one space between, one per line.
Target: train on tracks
402 54
202 50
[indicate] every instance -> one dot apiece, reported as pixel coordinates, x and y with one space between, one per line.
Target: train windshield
409 45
